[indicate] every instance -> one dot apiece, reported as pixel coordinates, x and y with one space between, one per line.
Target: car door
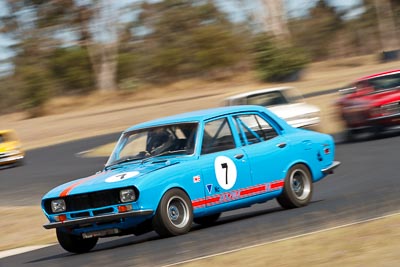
266 149
225 168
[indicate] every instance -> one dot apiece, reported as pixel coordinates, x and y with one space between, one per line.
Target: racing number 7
225 166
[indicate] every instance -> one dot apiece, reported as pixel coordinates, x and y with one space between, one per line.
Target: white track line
283 239
15 251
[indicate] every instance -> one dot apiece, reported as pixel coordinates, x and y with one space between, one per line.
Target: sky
294 8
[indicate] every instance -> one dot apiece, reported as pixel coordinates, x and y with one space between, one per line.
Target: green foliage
277 63
316 32
187 39
71 69
35 87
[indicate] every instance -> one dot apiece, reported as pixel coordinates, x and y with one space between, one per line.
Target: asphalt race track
366 185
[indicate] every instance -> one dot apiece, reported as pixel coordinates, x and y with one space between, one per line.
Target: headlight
58 205
127 195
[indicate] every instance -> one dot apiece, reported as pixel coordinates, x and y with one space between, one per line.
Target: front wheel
75 244
298 188
174 215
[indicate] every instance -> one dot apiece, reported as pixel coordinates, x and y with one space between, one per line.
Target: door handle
239 156
281 145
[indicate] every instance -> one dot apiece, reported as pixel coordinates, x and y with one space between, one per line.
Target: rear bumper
329 170
98 219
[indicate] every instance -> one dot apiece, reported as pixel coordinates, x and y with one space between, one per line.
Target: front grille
102 211
92 200
88 201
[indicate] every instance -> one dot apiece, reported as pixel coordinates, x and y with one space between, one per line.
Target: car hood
7 146
376 99
289 111
387 98
122 175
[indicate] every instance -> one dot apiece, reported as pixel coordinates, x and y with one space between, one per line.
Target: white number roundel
225 171
121 176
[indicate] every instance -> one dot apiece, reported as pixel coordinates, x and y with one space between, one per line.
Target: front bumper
329 170
394 118
7 159
98 219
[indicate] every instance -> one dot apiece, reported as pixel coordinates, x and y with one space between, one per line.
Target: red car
371 103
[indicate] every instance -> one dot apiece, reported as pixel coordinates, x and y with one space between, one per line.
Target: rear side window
267 99
253 129
217 137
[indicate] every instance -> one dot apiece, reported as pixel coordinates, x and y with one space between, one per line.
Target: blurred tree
362 35
277 62
275 18
182 38
71 68
82 21
386 24
325 21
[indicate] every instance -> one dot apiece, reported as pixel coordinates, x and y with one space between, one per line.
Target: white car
286 102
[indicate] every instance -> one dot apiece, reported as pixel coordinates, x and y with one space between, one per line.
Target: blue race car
165 174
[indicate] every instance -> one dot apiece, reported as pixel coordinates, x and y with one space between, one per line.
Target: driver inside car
159 140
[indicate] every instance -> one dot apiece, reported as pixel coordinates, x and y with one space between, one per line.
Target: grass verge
373 243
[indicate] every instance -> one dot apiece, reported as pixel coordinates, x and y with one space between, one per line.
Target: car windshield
385 82
274 98
7 137
377 84
173 139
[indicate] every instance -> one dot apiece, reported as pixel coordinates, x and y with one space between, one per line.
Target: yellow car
10 148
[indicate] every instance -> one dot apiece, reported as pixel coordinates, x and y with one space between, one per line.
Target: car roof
260 91
380 74
197 116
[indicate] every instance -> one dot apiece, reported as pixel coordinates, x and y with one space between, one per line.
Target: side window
217 137
254 129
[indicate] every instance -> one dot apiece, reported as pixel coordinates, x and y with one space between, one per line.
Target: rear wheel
174 215
74 243
297 191
350 135
207 220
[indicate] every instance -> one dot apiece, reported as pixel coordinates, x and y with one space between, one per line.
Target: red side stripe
242 193
276 185
205 201
253 190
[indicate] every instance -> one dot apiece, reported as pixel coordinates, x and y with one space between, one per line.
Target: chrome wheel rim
300 184
178 212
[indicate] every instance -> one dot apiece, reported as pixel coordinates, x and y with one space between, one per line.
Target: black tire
350 135
207 220
75 244
377 131
298 188
174 215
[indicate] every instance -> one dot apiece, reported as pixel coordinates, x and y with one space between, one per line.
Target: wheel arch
302 162
173 186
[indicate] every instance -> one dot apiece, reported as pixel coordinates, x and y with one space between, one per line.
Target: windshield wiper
169 152
124 160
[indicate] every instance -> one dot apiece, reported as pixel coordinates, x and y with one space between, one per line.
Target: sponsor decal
209 188
121 176
196 179
236 194
225 171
